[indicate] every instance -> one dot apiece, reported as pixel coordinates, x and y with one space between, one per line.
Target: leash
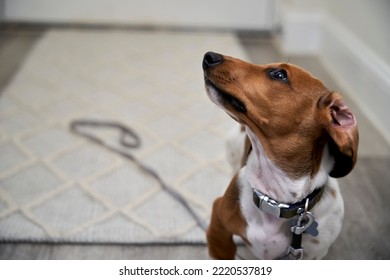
129 139
305 221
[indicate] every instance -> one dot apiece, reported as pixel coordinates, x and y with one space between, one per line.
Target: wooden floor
366 191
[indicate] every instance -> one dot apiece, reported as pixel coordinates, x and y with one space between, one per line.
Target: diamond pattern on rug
17 226
18 122
167 127
30 183
204 149
124 185
117 228
60 218
171 162
57 187
49 141
203 192
63 109
11 156
83 162
154 215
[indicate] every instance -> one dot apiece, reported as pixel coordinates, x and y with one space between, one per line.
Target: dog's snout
211 59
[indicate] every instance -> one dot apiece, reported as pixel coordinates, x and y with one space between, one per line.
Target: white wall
368 20
234 14
352 39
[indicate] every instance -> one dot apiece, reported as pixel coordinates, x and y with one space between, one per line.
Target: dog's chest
267 243
269 237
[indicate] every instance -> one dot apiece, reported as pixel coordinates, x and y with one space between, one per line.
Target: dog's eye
278 74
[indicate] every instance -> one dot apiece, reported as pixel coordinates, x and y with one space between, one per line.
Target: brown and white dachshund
301 136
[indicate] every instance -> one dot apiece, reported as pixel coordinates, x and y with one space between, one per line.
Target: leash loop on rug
126 133
130 139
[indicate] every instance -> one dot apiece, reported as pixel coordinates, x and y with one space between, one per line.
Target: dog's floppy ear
341 126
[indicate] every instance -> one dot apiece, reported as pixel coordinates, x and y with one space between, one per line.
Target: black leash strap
130 139
295 250
296 241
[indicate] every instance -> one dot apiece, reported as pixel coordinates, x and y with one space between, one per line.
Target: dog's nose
211 59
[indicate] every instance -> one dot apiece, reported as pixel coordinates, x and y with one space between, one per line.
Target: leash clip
304 221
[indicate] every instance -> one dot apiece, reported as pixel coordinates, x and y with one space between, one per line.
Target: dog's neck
262 174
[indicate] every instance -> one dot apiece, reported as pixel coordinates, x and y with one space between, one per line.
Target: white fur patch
270 236
235 142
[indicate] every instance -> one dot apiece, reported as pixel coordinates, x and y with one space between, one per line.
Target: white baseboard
354 66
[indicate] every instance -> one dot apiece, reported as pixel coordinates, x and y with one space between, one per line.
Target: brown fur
274 111
294 120
225 221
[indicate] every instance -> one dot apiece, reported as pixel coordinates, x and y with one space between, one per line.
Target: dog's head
291 113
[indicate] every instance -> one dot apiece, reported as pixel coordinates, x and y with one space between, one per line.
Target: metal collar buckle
284 210
267 204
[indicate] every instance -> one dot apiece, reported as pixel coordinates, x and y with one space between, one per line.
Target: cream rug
58 187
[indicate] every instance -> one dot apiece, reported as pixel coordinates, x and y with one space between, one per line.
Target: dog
298 137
